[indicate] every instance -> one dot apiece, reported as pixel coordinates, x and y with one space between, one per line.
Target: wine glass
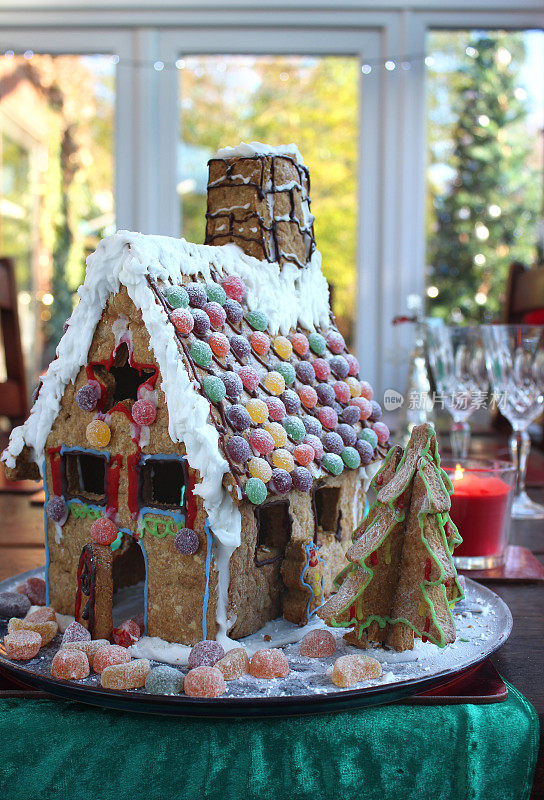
457 358
515 361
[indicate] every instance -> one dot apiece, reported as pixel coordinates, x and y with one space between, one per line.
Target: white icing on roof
258 149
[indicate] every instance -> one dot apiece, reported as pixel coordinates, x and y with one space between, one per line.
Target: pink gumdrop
328 417
341 391
144 412
336 342
109 655
269 664
75 633
353 364
34 589
234 287
127 633
205 654
382 432
316 444
367 390
364 406
321 368
204 682
318 644
276 408
261 441
249 378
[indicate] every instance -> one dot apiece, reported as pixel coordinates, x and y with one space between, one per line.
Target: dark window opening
128 570
121 380
86 476
327 510
163 483
274 525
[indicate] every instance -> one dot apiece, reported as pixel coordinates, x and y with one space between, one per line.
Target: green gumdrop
177 297
369 436
258 320
216 293
201 353
256 491
295 428
214 388
332 463
287 370
351 457
317 343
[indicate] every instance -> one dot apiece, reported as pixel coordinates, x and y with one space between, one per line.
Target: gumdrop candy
333 463
339 367
201 322
201 353
312 425
219 343
282 459
348 434
291 401
269 664
287 371
353 364
302 479
103 531
164 680
240 346
281 481
205 654
295 428
282 346
13 604
131 675
321 368
300 343
317 343
214 388
277 432
22 645
352 669
258 320
183 320
342 392
198 296
177 297
216 293
87 397
47 630
144 412
249 378
325 393
238 417
305 372
335 341
318 644
365 450
256 491
367 390
259 468
376 411
89 647
261 441
304 454
333 442
75 633
276 408
316 444
234 311
98 433
204 682
34 589
328 417
382 432
127 633
42 614
109 655
274 382
234 287
187 542
260 343
257 409
70 665
370 436
365 409
238 449
308 396
234 664
351 457
56 509
354 387
233 385
351 415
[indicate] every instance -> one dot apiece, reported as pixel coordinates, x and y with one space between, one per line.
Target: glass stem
460 439
520 445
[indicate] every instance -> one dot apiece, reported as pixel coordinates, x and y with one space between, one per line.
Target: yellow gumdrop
275 383
354 386
278 433
282 459
259 468
98 433
257 410
283 347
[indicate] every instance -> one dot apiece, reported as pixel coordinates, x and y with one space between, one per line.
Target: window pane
310 101
485 118
56 200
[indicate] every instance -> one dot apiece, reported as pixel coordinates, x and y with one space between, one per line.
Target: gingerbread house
203 407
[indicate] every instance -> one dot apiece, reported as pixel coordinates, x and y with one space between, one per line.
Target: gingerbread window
163 483
121 380
274 524
85 476
327 510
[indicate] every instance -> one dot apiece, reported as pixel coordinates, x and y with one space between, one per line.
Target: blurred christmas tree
487 214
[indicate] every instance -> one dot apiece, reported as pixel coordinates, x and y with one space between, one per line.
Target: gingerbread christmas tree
401 582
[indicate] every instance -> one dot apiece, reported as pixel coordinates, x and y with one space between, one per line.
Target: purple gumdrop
202 322
13 604
339 367
197 295
76 633
312 425
305 372
240 346
291 401
333 442
205 654
316 443
280 482
87 397
365 451
238 417
238 449
376 411
349 437
56 510
234 311
351 415
233 385
325 392
186 541
302 479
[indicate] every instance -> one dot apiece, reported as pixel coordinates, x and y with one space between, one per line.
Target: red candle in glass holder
478 507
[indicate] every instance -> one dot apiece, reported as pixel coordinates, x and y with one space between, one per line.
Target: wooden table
520 660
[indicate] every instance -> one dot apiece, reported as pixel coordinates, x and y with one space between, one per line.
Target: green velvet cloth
55 750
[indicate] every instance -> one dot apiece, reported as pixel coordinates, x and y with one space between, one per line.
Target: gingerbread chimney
259 198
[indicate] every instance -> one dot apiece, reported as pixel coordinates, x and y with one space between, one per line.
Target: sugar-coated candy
282 459
257 410
261 441
347 432
325 393
256 491
47 630
89 647
34 588
312 425
127 633
249 378
98 433
103 531
281 481
260 343
367 390
351 415
201 322
240 345
22 645
201 354
295 428
198 296
75 633
382 432
354 386
282 347
352 669
144 412
274 382
238 417
219 343
13 604
258 320
186 541
318 644
333 463
370 436
321 368
269 664
302 479
276 409
56 509
87 397
287 371
366 452
316 444
183 320
205 654
108 655
308 396
177 297
328 417
238 449
277 432
335 341
300 343
216 293
317 343
304 454
234 311
164 680
216 314
305 372
233 385
234 287
376 411
259 468
339 367
291 401
353 364
351 457
234 664
214 388
131 675
342 392
365 409
332 442
42 614
204 682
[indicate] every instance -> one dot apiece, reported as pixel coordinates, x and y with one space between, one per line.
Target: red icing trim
133 505
374 558
108 363
190 502
427 569
56 475
426 628
112 486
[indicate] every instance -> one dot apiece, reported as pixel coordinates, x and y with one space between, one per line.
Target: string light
390 66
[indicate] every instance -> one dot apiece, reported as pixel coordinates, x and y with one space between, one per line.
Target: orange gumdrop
22 645
269 664
42 614
318 644
352 669
126 676
204 682
109 655
70 665
88 646
47 630
234 664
